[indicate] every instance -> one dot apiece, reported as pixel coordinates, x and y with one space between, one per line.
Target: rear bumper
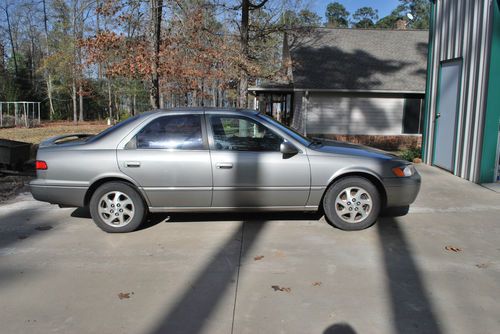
67 196
402 191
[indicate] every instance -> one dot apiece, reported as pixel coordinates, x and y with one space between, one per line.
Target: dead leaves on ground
317 284
125 295
453 249
279 288
259 257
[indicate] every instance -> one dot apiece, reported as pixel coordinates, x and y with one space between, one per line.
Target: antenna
410 16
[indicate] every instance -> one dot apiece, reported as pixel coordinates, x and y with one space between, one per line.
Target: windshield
289 131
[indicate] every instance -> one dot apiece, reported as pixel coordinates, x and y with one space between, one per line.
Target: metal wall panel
462 29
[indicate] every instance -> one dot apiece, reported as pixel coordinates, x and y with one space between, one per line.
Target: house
351 83
462 114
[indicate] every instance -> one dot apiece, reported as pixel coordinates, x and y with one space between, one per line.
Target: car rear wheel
352 203
117 207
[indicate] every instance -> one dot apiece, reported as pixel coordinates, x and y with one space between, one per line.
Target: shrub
411 153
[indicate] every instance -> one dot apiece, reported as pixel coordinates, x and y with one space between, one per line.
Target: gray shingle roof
361 59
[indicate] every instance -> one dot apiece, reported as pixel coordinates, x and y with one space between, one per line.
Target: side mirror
288 149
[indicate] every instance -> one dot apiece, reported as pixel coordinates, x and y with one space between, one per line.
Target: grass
50 129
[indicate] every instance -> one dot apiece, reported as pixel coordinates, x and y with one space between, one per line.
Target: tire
117 207
348 215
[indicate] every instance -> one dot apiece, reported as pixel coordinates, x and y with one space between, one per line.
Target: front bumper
63 195
401 191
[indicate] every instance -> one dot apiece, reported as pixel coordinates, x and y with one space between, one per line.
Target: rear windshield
115 127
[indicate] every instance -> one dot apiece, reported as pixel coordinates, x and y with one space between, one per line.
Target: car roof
200 110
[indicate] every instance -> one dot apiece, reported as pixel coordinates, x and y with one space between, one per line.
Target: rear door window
180 132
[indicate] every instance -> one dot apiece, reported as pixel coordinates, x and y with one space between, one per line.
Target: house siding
333 114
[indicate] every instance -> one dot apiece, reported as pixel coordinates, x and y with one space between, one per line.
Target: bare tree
155 32
11 39
48 75
246 7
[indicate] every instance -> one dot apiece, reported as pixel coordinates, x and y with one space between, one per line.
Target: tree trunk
110 102
156 7
80 98
134 105
243 84
73 97
48 76
9 28
74 70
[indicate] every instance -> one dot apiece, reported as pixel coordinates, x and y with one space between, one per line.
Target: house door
446 114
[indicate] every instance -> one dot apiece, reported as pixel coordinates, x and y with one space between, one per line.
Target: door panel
169 159
259 179
248 169
446 114
171 178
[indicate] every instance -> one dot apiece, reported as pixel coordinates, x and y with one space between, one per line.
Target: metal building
462 118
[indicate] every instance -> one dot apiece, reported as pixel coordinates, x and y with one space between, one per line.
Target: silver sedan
217 160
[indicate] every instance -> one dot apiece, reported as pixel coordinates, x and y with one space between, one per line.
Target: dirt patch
11 185
50 129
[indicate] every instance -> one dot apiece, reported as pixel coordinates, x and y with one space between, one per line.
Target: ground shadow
83 212
340 328
186 217
18 228
412 309
196 305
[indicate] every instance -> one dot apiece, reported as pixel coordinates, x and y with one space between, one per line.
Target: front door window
234 133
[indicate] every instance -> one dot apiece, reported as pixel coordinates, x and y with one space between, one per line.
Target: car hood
337 147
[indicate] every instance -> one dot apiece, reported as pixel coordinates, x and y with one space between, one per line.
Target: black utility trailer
14 154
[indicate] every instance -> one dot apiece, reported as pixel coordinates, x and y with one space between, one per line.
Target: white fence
19 113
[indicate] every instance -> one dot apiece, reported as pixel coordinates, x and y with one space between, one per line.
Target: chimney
401 24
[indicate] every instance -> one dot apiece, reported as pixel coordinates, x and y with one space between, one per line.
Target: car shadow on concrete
186 217
179 217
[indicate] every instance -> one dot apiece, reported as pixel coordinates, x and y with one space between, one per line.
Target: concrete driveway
435 270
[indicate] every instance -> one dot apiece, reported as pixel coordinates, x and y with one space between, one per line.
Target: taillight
40 165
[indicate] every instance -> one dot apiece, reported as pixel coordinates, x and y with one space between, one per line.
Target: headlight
404 171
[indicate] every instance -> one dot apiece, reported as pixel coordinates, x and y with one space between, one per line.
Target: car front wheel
352 203
117 207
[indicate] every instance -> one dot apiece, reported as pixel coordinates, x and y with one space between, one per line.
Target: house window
412 116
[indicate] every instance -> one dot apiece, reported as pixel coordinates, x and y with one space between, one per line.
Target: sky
384 7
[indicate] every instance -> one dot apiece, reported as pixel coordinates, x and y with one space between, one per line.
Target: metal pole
38 113
15 113
26 115
1 114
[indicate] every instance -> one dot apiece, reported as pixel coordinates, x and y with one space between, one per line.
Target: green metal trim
430 50
492 116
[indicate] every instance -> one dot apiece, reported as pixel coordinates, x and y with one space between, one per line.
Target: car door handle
224 165
133 164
